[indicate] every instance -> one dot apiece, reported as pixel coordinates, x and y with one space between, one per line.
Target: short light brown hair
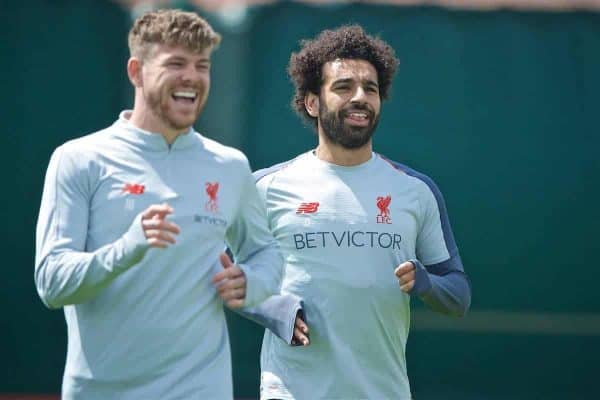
172 28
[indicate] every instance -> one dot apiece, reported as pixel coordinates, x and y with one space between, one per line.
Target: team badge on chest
211 190
383 204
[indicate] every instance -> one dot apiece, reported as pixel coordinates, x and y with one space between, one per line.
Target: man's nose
359 95
190 73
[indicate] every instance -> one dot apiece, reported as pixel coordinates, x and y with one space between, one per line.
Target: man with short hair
131 231
360 235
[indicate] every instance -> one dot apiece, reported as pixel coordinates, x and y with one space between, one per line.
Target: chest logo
307 208
133 188
211 190
383 204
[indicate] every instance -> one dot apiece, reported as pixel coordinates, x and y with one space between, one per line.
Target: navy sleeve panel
277 314
443 288
445 221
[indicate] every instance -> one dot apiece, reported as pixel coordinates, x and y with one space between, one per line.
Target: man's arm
283 315
66 274
253 246
442 287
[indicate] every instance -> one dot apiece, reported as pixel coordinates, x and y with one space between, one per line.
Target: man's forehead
165 51
349 68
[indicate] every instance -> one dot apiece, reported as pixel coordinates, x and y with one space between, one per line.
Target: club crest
211 190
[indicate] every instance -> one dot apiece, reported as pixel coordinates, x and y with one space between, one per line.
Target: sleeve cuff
295 306
422 281
277 314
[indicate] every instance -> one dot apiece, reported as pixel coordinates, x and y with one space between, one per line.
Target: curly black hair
349 42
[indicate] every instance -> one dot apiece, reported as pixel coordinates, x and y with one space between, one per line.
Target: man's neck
336 154
148 122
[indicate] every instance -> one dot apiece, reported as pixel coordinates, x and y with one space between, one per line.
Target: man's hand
406 276
231 283
158 230
300 331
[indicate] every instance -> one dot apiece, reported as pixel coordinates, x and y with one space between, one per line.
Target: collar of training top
152 140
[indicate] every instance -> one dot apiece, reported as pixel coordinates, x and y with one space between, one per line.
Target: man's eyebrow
343 80
175 58
367 82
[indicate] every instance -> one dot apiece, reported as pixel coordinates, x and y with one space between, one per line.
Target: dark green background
500 108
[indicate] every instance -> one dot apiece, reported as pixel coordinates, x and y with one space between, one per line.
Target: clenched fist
406 276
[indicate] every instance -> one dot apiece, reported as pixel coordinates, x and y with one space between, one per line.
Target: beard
347 136
159 104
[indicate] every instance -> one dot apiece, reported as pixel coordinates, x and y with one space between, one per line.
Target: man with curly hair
360 236
131 230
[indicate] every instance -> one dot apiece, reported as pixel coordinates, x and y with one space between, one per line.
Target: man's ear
311 103
134 71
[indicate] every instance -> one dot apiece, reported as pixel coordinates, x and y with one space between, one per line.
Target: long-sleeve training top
146 323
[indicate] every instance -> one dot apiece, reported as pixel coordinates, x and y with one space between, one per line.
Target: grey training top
147 323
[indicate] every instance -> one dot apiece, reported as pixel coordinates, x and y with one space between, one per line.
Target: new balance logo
133 188
307 208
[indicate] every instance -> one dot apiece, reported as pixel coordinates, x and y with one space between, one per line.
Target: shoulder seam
274 169
270 172
398 168
408 171
391 163
439 199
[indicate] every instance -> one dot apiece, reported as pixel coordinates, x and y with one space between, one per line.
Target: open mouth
185 97
358 117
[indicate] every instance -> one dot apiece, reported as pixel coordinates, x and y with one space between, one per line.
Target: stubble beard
159 104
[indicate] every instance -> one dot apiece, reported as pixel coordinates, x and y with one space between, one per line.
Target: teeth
188 95
358 115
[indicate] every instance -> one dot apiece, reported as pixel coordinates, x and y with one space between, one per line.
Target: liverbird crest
211 190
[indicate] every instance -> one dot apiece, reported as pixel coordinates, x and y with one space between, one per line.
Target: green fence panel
500 108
